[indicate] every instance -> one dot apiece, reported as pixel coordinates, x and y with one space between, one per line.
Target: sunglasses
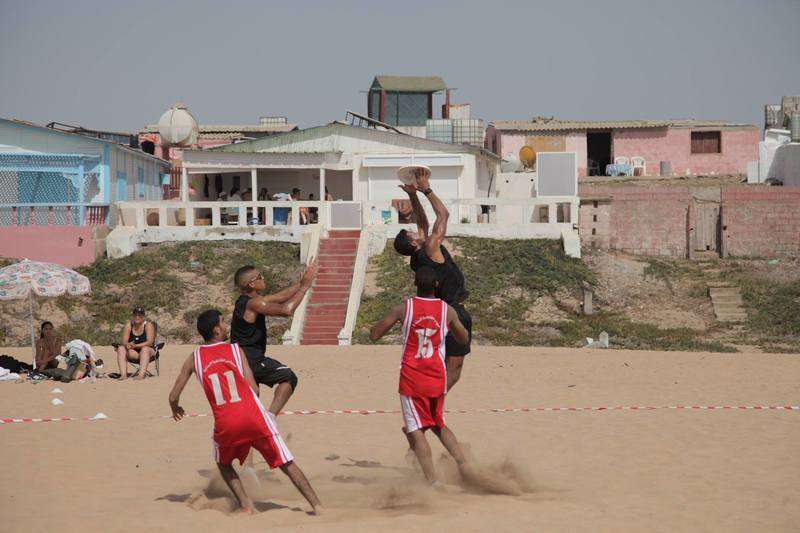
256 278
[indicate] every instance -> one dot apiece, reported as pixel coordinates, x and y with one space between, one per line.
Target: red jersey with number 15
239 415
422 370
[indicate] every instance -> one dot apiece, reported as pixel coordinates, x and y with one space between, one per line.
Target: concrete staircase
727 302
327 307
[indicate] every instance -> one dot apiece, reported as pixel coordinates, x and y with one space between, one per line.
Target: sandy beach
616 470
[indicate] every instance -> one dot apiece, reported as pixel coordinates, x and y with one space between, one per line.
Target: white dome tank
178 127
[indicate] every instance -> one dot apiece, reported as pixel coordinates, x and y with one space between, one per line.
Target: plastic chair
157 347
622 161
638 162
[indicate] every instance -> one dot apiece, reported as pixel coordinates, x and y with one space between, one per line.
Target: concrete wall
637 220
739 145
785 165
760 221
66 245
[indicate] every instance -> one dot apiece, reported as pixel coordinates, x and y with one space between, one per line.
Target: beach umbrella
27 279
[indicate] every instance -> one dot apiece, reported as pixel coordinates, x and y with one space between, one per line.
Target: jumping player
426 250
240 420
423 373
249 327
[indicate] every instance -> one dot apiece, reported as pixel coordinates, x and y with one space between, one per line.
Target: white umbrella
26 278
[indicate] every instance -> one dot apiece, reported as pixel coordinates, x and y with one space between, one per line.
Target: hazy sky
119 65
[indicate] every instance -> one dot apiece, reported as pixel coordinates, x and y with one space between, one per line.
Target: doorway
598 152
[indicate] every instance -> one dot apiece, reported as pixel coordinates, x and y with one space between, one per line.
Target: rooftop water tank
178 127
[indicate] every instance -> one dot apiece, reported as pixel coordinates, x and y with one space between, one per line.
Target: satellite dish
527 156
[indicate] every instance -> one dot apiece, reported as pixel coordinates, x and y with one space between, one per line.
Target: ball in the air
408 175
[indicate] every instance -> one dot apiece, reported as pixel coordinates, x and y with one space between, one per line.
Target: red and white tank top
239 415
422 370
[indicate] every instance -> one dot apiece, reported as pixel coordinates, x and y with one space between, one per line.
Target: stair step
343 234
320 343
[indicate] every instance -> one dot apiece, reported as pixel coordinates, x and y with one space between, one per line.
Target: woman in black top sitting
138 338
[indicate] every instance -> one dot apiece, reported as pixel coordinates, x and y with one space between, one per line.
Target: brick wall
760 221
637 220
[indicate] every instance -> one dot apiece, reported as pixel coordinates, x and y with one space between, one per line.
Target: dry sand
576 471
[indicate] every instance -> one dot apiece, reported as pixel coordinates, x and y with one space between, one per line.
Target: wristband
427 191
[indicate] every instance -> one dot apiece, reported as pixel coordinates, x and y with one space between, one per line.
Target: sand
660 470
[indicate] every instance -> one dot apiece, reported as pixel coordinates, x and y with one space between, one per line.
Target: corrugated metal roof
410 84
389 137
122 147
233 128
544 124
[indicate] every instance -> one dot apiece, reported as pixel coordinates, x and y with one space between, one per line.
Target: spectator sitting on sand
79 359
138 338
48 347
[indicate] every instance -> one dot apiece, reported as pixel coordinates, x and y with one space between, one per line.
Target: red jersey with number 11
239 415
422 370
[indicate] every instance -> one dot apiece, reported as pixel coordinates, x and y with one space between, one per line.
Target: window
706 142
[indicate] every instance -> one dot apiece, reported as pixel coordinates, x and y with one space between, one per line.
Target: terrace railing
55 214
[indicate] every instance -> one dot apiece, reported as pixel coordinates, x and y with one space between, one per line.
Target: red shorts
422 413
272 448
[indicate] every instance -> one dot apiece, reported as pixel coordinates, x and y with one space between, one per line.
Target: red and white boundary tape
100 416
537 409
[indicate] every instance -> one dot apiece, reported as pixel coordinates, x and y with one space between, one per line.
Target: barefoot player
426 321
240 420
426 250
249 327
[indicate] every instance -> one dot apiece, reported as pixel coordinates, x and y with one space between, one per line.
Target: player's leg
454 364
451 444
231 479
423 452
455 351
282 394
300 481
273 373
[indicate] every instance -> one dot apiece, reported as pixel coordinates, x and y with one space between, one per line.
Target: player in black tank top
249 327
426 249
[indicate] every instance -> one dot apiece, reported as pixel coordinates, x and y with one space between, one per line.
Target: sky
119 65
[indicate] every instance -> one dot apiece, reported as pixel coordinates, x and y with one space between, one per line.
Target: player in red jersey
423 373
240 420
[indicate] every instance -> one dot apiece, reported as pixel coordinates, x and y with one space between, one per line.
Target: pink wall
739 146
510 144
66 245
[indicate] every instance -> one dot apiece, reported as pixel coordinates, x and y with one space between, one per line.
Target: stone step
728 300
327 342
343 234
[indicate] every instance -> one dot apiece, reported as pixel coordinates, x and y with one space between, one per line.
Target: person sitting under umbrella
138 338
48 347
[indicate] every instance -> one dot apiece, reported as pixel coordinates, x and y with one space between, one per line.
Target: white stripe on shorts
410 415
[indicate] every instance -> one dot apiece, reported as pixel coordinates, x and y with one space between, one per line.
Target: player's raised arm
286 294
419 213
460 333
434 240
385 324
180 382
264 305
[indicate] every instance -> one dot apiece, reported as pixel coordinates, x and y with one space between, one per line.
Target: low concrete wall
760 221
66 245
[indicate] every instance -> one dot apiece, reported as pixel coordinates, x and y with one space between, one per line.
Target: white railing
292 335
141 215
493 211
356 288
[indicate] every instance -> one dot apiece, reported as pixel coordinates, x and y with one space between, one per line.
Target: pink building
214 135
690 147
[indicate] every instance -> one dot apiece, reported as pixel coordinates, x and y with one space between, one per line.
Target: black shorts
450 345
271 372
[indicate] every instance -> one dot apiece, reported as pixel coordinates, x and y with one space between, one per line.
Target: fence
51 189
